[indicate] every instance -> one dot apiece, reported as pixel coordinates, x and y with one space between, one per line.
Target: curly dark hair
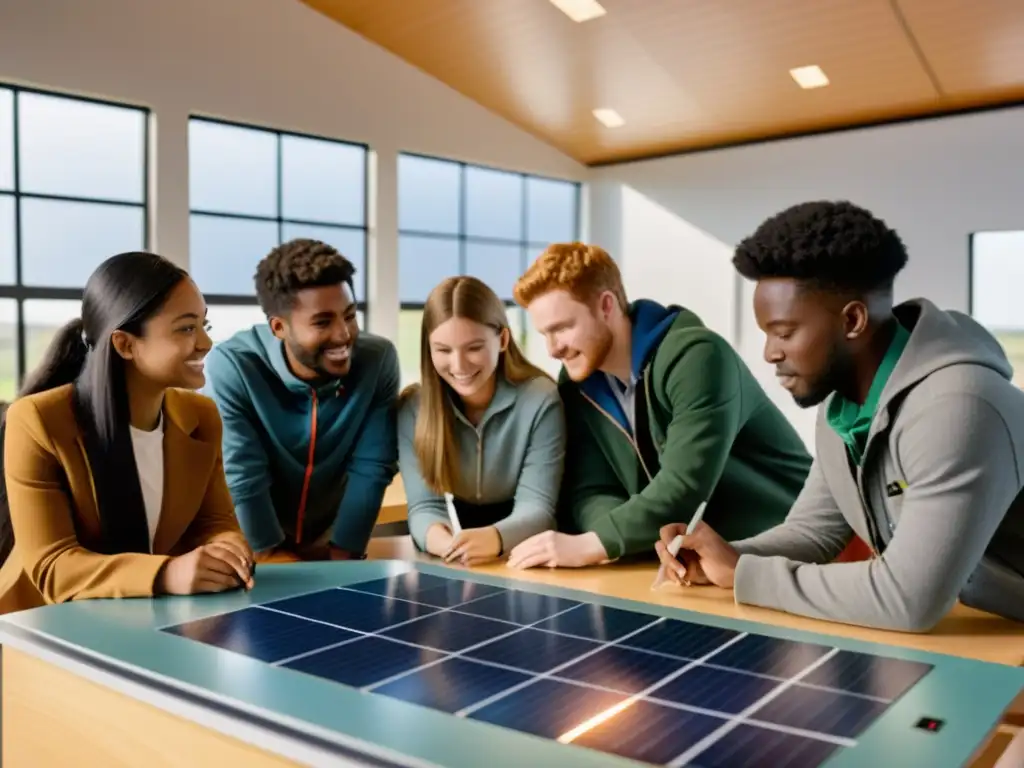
831 244
295 265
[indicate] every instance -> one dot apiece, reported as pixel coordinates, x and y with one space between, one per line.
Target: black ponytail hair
123 293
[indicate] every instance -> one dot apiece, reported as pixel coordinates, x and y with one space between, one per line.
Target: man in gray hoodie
920 439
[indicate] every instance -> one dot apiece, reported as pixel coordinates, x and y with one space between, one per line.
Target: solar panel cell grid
657 690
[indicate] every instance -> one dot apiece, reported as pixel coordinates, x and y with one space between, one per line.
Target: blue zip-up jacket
326 455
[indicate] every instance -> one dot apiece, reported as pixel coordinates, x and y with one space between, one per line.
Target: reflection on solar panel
652 689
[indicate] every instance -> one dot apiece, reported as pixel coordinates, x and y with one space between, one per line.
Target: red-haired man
662 416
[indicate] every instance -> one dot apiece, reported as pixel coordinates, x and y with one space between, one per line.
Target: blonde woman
484 425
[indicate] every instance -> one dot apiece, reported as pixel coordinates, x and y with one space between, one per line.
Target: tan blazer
53 505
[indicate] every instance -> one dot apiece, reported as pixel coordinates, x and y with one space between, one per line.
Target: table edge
305 747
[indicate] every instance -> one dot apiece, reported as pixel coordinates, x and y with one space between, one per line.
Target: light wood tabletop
964 632
393 508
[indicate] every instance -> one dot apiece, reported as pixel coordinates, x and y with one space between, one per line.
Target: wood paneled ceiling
694 74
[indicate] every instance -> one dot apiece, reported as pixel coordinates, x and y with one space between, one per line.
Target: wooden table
393 509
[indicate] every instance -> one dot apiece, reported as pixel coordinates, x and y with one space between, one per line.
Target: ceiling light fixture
609 117
809 77
580 10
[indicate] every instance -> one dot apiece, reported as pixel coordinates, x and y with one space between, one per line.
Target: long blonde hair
434 438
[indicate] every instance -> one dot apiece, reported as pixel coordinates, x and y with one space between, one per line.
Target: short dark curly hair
834 245
296 265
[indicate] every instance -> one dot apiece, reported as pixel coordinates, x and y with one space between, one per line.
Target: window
251 189
996 274
69 199
460 219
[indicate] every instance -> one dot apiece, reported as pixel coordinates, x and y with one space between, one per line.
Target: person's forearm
797 540
421 520
524 521
258 520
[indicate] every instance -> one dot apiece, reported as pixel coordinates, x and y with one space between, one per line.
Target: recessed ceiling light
809 77
579 10
609 117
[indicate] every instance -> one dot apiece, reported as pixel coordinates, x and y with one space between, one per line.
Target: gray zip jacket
517 453
938 495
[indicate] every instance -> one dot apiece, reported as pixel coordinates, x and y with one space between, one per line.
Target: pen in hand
453 521
677 543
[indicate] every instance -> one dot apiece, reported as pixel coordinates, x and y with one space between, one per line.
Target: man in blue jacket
308 405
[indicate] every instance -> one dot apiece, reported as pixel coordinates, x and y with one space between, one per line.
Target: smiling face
173 342
576 335
809 337
465 355
319 332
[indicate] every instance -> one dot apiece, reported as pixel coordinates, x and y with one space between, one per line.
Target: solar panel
653 689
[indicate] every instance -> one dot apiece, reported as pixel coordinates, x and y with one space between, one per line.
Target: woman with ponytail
483 425
114 479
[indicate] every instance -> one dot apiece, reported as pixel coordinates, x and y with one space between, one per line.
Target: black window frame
462 238
18 290
243 300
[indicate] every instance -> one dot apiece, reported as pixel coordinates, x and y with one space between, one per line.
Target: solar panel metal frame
968 695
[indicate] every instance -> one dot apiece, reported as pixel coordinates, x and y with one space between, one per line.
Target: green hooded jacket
706 431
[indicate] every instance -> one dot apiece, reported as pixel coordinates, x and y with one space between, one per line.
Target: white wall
275 63
934 181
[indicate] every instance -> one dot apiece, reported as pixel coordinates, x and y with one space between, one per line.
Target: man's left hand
552 549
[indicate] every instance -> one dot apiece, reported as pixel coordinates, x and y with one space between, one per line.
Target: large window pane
262 183
997 275
409 322
428 195
997 272
517 324
7 240
550 211
497 265
351 243
494 204
6 139
535 346
72 194
80 149
495 232
323 181
43 318
226 320
224 252
232 169
8 349
63 242
423 262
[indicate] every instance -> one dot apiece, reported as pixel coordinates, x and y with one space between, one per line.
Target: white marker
453 516
676 543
